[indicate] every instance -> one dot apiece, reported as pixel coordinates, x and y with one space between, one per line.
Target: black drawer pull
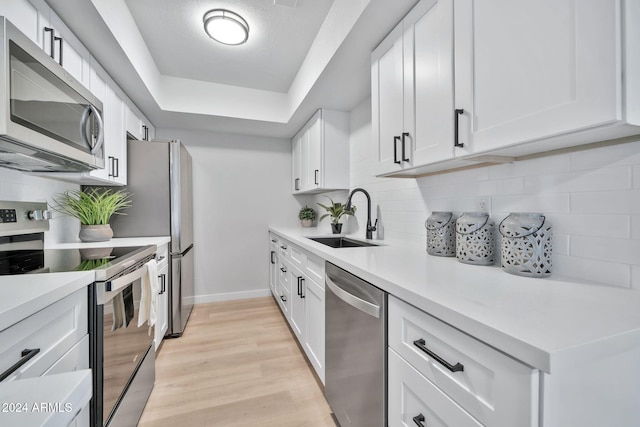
284 270
272 254
299 286
456 135
422 345
419 419
283 298
404 157
26 354
395 149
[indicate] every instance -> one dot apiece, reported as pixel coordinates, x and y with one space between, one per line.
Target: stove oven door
121 348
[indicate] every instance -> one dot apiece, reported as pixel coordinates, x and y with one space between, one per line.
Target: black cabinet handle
273 240
404 135
456 131
51 41
283 247
284 270
283 298
27 354
297 183
419 420
59 40
300 286
395 149
315 177
303 294
117 167
422 345
272 254
111 166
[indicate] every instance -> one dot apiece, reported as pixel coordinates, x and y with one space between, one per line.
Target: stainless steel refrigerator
159 177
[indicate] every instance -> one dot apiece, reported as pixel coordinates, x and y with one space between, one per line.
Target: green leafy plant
307 213
336 210
93 206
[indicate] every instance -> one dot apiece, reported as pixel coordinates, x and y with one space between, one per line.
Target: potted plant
94 208
306 216
336 210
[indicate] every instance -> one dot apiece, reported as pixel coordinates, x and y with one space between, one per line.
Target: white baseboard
229 296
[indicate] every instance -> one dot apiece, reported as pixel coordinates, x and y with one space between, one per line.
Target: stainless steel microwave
49 122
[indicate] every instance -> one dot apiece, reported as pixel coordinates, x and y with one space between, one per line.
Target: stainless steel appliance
355 353
49 122
160 179
121 357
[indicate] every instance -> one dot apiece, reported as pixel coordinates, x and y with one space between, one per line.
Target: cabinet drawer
73 360
284 248
414 400
54 330
283 275
494 388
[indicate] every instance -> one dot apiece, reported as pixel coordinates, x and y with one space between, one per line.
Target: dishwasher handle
352 300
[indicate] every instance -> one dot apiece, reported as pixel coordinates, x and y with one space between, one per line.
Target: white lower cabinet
162 310
492 388
57 340
297 283
414 400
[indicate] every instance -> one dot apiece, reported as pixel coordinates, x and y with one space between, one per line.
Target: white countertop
115 242
25 294
547 323
52 400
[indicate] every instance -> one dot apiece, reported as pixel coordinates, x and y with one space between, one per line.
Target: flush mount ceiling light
226 27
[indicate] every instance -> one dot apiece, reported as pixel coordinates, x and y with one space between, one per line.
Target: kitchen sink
341 242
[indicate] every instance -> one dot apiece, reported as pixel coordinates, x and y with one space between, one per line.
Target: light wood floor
237 364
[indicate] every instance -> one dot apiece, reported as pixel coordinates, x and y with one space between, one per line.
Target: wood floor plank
237 364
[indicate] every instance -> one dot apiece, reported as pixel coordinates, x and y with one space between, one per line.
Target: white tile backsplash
592 198
20 186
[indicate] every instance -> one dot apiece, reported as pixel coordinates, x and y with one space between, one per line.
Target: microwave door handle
83 122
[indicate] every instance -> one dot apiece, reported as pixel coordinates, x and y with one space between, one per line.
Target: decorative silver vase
526 244
441 234
475 239
95 233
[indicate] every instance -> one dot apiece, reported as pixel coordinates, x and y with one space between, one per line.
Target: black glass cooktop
30 261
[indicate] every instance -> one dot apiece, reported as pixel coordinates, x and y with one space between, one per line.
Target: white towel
149 297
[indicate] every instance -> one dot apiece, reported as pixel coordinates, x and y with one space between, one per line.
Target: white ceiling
316 55
279 39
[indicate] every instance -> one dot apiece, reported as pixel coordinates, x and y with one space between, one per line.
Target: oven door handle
121 282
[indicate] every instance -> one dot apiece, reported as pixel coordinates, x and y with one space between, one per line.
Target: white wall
241 187
591 197
20 186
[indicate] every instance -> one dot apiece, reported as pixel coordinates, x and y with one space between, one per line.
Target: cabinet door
118 140
297 320
273 265
527 70
387 101
314 324
23 15
428 51
162 310
314 169
297 162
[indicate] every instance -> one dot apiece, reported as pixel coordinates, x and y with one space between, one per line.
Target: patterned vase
441 234
526 244
475 239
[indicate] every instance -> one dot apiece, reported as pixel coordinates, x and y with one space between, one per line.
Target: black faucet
370 228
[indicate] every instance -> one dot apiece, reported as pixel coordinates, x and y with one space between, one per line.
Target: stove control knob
40 215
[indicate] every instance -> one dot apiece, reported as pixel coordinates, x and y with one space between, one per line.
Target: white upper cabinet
506 78
320 153
24 16
137 125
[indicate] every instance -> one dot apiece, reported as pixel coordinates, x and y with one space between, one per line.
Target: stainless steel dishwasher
355 353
